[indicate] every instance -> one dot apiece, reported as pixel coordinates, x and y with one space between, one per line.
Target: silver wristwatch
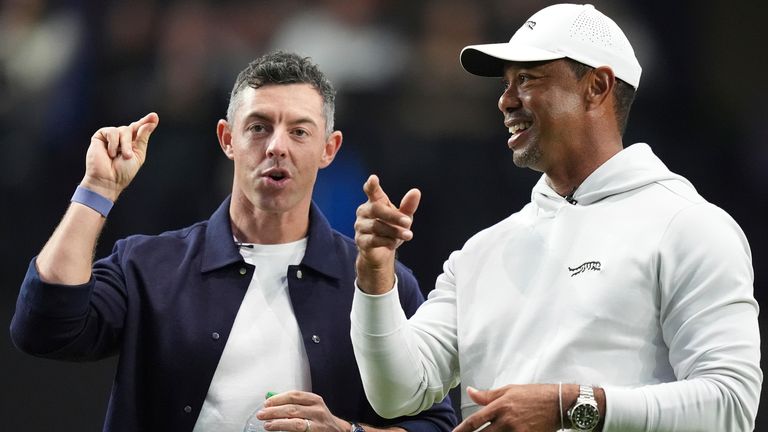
584 415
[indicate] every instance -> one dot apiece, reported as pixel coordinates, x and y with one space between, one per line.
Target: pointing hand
380 229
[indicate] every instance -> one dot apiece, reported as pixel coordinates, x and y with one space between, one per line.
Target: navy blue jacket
166 305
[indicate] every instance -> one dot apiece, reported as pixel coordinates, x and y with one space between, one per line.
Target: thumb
410 202
373 190
480 397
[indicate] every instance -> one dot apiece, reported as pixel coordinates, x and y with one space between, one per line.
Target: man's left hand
298 411
529 408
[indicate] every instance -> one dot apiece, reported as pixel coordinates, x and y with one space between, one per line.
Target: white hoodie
641 287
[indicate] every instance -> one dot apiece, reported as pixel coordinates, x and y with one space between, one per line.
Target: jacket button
243 270
299 274
215 336
187 409
315 338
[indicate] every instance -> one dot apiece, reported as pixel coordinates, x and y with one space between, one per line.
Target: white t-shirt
264 351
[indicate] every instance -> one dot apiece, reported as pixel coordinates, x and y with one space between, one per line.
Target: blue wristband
93 200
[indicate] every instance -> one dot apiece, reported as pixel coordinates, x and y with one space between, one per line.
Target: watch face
585 416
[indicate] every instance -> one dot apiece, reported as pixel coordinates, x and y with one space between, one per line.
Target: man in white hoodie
618 299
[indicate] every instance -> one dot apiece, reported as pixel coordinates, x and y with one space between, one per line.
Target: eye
257 128
505 84
523 78
301 132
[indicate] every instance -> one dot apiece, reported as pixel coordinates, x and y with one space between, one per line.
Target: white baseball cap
579 32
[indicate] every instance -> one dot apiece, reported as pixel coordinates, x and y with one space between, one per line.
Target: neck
254 225
567 176
566 183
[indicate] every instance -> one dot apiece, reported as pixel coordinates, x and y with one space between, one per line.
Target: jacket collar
220 249
322 254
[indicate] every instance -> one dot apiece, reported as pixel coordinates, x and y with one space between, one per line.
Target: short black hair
284 68
623 93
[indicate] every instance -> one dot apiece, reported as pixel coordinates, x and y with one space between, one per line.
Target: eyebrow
526 66
268 118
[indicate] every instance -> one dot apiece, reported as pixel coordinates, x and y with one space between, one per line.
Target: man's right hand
115 156
380 229
113 159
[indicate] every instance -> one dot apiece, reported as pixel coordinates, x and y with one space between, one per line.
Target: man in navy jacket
208 318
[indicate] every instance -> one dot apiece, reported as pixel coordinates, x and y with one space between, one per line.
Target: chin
273 207
521 161
528 157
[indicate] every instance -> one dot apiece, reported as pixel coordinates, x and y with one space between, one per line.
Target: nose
277 145
509 100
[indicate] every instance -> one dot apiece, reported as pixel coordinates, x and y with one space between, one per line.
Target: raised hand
112 161
116 154
380 229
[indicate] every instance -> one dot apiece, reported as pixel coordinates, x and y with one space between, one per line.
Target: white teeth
515 128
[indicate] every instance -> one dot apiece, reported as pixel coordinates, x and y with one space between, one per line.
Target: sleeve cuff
377 315
625 409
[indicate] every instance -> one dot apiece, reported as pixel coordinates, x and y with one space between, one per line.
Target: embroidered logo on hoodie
587 266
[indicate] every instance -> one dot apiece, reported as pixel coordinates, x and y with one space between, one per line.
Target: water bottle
253 424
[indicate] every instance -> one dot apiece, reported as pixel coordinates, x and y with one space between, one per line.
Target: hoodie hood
634 167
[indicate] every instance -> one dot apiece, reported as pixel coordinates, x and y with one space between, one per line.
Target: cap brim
488 60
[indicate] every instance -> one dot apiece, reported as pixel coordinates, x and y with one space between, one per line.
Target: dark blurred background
408 112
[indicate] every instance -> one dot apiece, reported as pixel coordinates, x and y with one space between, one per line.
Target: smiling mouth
517 128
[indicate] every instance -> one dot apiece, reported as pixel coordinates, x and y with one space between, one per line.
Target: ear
600 83
224 133
331 147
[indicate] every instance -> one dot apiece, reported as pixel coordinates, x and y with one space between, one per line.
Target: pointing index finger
373 190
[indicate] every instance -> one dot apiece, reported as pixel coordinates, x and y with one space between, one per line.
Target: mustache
518 116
